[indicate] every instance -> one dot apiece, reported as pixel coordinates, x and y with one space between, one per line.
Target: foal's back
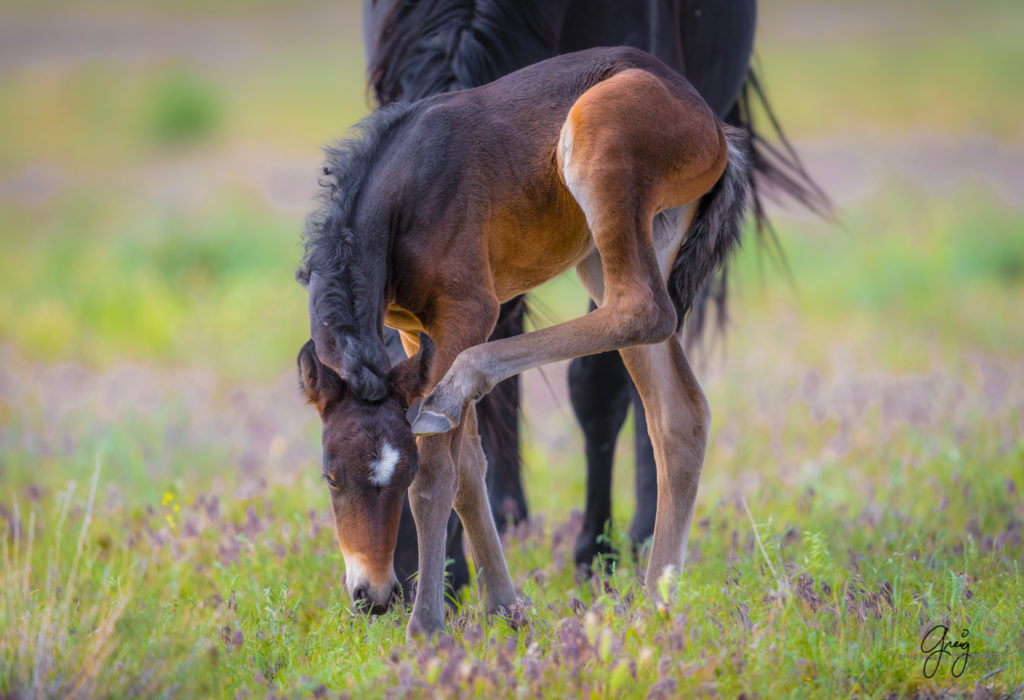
485 163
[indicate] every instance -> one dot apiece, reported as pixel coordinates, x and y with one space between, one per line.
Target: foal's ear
319 383
409 377
325 345
309 372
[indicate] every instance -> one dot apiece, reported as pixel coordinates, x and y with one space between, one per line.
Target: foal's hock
604 160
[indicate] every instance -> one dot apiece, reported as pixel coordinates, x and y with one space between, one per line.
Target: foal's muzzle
371 594
365 602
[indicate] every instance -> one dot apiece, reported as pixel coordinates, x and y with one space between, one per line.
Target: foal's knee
436 479
700 413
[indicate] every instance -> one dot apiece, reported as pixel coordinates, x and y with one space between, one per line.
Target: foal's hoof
515 614
432 423
439 413
417 629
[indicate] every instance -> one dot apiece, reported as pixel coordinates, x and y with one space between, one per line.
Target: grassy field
164 530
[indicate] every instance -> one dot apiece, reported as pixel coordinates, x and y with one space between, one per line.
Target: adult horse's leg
600 394
498 416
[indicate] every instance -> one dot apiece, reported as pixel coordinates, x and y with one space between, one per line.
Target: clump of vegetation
844 516
185 108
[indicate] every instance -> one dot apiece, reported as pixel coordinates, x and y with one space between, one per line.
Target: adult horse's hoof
429 422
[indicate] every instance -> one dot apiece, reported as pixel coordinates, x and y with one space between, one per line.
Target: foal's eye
331 482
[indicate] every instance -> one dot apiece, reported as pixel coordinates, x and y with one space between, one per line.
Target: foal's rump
645 142
516 151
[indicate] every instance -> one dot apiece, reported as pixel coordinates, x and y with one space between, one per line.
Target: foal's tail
713 233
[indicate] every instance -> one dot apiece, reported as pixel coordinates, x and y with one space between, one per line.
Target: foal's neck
348 297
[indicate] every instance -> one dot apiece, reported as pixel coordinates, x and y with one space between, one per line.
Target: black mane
327 240
348 260
428 47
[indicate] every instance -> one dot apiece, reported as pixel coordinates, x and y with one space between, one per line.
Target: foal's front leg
474 508
450 475
431 496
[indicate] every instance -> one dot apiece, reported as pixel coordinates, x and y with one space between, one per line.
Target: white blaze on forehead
383 467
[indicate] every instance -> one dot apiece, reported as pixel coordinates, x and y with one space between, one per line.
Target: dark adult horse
418 48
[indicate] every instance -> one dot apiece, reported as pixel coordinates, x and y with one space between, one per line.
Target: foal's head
369 460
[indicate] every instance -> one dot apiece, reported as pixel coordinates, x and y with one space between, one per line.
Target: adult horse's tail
774 169
714 230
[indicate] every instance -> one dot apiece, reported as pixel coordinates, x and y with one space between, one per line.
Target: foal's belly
526 251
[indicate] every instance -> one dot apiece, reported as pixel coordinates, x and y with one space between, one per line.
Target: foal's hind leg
678 418
621 165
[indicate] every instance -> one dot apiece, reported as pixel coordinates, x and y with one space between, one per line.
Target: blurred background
157 160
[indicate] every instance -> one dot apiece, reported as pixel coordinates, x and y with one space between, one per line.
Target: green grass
156 284
907 72
163 527
133 581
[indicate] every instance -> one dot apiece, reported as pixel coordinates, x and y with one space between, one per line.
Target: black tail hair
713 233
773 169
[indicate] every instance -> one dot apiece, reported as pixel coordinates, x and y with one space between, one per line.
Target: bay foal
604 160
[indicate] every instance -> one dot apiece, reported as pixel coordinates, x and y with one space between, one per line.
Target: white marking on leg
382 469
